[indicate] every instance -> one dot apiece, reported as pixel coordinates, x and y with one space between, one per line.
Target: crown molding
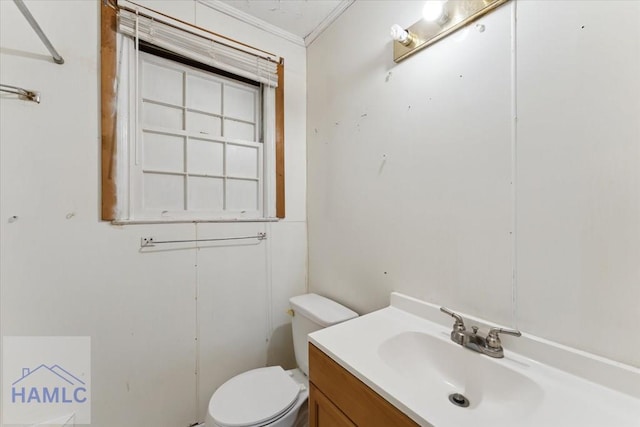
335 13
231 11
252 20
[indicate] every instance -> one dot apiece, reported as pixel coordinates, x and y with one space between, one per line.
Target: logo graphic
29 389
37 391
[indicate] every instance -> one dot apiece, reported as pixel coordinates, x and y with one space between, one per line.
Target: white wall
420 180
64 272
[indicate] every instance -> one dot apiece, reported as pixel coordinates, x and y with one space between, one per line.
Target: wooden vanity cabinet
338 399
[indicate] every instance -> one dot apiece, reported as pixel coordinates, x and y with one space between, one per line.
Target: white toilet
272 396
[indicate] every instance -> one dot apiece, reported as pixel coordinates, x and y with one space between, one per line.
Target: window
196 139
200 150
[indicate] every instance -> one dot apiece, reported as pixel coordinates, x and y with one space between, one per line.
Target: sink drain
459 400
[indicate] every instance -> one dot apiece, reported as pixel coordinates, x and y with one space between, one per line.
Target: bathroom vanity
398 366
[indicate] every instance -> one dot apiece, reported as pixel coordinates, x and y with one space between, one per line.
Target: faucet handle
496 331
493 339
459 323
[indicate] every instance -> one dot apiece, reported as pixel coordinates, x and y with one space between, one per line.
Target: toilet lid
253 398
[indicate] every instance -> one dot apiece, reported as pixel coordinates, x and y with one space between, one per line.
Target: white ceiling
303 19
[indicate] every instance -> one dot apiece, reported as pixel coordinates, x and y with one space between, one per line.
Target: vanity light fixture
440 18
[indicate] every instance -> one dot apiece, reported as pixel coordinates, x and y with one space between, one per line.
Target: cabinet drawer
363 406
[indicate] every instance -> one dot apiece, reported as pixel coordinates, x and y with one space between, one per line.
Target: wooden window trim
108 22
280 207
108 55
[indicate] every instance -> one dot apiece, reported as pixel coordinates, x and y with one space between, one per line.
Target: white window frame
129 137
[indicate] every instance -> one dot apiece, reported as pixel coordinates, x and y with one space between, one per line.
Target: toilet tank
312 312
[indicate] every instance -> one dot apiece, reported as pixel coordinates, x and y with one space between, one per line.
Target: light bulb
401 35
433 10
398 33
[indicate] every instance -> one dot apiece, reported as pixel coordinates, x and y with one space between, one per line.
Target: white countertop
540 395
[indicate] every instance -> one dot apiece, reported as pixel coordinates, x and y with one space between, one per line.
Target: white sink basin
409 359
441 368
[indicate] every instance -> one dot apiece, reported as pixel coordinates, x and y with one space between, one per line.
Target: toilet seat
254 398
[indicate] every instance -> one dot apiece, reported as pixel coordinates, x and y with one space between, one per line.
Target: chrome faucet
489 345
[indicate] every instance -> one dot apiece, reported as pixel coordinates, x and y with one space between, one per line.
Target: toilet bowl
261 397
271 396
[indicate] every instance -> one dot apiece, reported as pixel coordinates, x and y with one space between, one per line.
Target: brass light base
459 12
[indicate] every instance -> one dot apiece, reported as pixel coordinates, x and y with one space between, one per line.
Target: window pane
204 124
239 130
206 193
240 103
163 152
205 157
204 94
163 192
242 161
161 84
242 195
159 115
